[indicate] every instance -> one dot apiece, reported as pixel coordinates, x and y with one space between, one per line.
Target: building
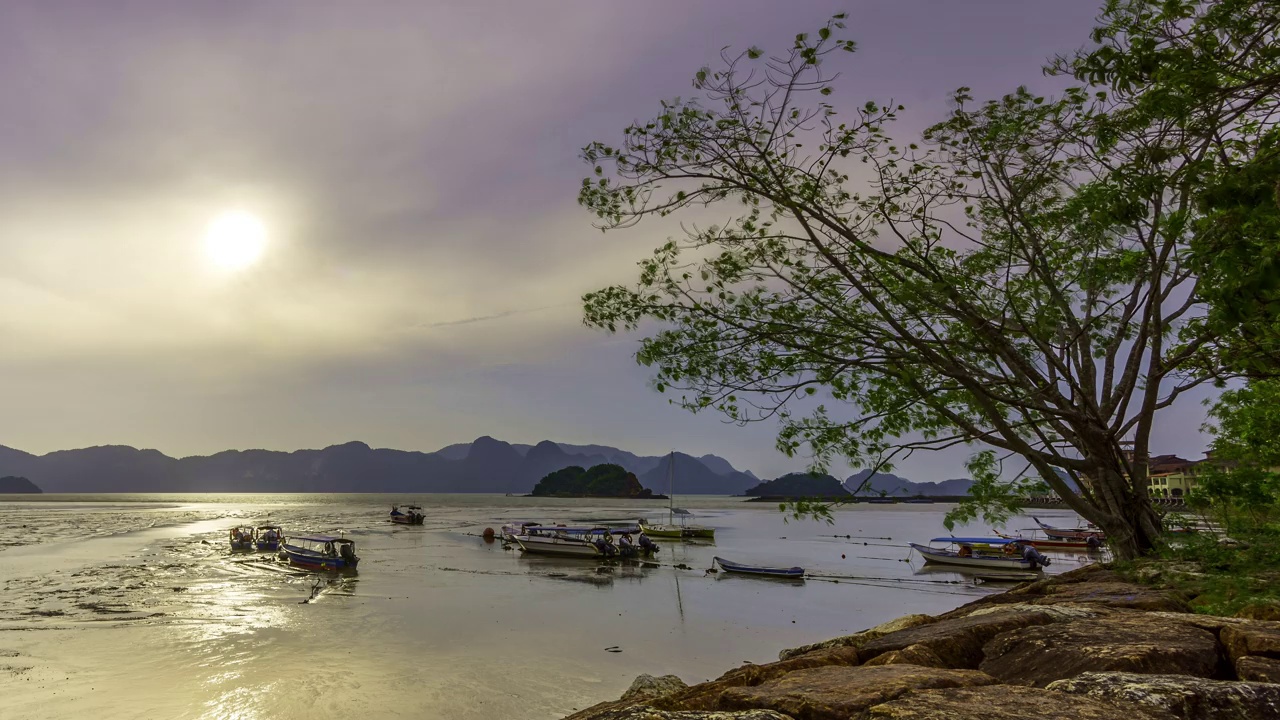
1172 477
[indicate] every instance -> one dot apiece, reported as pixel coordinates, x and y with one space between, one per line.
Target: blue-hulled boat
733 567
976 552
321 552
241 538
267 537
413 516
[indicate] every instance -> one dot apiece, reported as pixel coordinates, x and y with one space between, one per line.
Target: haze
415 168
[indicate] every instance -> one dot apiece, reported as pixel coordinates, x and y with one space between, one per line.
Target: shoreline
1084 644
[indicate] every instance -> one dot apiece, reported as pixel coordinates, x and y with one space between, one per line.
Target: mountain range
484 465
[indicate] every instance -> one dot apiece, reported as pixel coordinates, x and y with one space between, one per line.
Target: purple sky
416 167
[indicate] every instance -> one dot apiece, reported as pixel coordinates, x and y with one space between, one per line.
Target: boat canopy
976 540
320 538
680 511
580 529
268 527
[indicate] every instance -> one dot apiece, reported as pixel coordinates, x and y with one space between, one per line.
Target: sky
415 168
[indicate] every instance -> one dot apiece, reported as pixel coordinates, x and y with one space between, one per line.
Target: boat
671 530
550 540
1078 534
267 537
414 515
976 556
733 567
1046 544
241 537
321 552
1012 577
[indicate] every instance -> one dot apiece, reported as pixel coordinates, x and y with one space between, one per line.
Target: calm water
126 606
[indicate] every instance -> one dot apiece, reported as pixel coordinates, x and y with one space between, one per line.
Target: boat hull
795 573
944 557
267 545
407 520
242 545
697 531
311 560
566 547
663 531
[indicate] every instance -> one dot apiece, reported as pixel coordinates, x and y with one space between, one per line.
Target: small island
793 486
601 481
19 486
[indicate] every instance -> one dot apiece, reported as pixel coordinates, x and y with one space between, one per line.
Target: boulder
838 693
1123 642
648 686
1254 637
1005 702
909 655
956 642
1260 611
1258 669
862 638
647 713
1058 611
1113 594
706 696
1184 697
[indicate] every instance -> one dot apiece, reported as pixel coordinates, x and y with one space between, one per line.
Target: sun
235 240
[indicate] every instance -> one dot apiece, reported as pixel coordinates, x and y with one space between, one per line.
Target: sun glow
235 240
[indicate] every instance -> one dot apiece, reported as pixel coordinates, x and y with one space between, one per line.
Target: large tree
1018 279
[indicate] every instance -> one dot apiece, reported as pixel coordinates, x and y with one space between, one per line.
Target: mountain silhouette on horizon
484 465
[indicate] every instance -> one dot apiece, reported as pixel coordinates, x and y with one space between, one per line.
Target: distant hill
484 465
600 481
901 487
11 484
795 485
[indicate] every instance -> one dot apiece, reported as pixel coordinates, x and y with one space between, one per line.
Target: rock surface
1113 594
648 686
648 713
862 638
837 693
1003 702
1258 669
1260 611
1129 643
1188 698
956 642
909 655
1254 637
706 696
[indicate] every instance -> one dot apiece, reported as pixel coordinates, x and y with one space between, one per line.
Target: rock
706 696
1260 611
862 638
1059 612
956 642
1115 595
910 655
648 713
1253 637
648 686
1188 698
838 693
1258 669
1130 642
1005 702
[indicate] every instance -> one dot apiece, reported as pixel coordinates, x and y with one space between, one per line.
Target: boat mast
671 488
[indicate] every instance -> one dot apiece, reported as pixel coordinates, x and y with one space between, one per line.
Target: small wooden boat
414 515
1003 577
321 552
267 537
241 537
1044 544
733 567
971 554
1077 534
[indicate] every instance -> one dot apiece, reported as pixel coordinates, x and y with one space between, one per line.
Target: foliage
1018 279
1219 579
1242 491
605 480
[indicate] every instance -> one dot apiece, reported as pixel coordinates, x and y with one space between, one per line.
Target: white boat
553 541
973 558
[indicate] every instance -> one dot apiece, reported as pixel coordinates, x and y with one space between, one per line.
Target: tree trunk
1130 522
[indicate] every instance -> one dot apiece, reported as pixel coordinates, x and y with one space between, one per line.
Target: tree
1017 280
1246 455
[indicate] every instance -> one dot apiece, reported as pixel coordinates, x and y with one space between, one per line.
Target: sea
134 606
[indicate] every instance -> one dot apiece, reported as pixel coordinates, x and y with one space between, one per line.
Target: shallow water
134 606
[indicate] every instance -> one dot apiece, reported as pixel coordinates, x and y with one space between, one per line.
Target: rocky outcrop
706 696
910 655
648 686
648 713
1260 611
1258 669
1254 637
1002 702
857 640
1131 643
1187 698
956 642
837 693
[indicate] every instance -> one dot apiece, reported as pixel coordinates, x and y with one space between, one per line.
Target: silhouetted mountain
797 485
485 465
18 485
600 481
893 485
692 477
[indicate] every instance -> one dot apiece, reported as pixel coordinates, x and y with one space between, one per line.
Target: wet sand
134 606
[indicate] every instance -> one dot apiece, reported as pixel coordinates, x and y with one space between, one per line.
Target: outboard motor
348 553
